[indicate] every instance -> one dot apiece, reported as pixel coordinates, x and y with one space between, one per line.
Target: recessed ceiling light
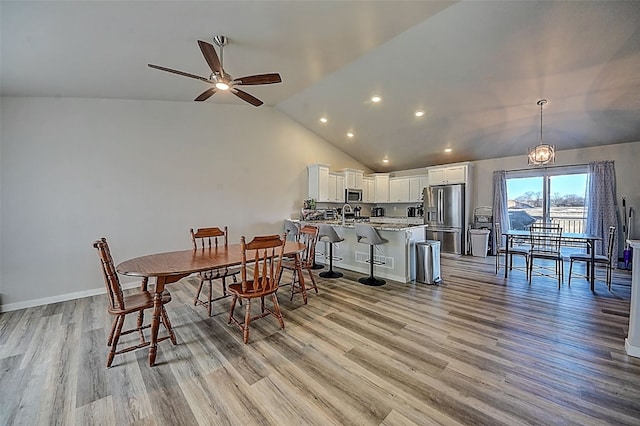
323 119
376 99
350 135
386 160
447 150
419 113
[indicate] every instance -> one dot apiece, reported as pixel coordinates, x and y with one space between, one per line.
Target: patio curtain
601 204
500 204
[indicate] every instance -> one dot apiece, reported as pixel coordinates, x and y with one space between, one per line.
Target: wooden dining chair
308 235
514 250
601 259
545 245
261 257
208 238
120 305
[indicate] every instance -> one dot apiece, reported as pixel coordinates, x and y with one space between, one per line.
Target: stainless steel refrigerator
444 216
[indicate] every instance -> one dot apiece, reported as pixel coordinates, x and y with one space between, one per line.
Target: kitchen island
394 259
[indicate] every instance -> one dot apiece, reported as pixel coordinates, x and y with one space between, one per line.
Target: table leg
508 242
303 289
155 319
592 267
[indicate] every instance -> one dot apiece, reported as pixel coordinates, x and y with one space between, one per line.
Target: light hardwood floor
474 350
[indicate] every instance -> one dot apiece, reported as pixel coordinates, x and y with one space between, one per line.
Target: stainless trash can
428 262
479 242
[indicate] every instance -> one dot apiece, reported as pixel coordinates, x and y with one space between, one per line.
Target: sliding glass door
548 195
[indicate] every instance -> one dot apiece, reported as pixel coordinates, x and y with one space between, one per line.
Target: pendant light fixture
541 154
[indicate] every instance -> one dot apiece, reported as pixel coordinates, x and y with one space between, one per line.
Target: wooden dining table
565 239
170 267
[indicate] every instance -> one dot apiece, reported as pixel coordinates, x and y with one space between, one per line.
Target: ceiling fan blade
186 74
210 55
259 79
247 97
205 95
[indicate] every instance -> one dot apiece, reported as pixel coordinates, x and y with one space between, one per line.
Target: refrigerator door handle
440 206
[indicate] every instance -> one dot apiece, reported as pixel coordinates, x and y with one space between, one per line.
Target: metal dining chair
601 259
517 250
545 246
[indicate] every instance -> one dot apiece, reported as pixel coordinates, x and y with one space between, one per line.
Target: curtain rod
546 168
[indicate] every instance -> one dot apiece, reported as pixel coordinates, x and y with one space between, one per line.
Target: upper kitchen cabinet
416 185
448 174
399 190
353 179
381 182
319 182
368 190
336 187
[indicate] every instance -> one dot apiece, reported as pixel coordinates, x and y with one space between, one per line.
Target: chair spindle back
264 253
208 237
110 275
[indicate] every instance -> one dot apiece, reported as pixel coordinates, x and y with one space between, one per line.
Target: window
548 195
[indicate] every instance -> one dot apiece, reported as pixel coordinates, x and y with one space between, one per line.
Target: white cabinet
381 183
353 179
368 190
336 188
447 175
319 182
416 186
340 189
399 190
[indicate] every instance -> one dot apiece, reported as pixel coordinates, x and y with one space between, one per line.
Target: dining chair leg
224 286
140 322
113 330
313 280
247 320
116 337
210 298
167 325
277 311
233 306
293 283
195 299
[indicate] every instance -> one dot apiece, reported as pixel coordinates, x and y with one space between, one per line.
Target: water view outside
566 200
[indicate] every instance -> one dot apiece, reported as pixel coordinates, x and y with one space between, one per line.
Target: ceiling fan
221 80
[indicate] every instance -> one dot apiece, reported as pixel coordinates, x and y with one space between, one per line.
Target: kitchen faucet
346 207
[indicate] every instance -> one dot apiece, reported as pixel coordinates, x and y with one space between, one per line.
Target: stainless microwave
353 195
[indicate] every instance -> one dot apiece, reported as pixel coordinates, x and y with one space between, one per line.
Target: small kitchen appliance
377 212
411 211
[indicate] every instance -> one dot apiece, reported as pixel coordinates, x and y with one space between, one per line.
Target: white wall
141 174
627 163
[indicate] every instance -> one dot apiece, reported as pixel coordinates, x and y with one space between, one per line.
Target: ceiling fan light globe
220 85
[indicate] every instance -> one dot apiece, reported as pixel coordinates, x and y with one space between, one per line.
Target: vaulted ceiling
476 68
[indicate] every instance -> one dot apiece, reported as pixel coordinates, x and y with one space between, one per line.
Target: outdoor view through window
557 198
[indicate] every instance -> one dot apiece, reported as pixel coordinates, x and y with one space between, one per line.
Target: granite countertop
349 224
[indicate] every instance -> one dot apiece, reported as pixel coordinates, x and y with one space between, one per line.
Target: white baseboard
631 350
61 298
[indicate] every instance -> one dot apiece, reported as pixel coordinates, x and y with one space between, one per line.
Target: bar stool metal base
330 273
372 281
317 265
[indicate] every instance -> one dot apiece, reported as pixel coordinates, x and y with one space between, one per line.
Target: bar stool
329 235
366 234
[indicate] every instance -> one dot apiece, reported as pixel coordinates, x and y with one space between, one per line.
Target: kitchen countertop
379 226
